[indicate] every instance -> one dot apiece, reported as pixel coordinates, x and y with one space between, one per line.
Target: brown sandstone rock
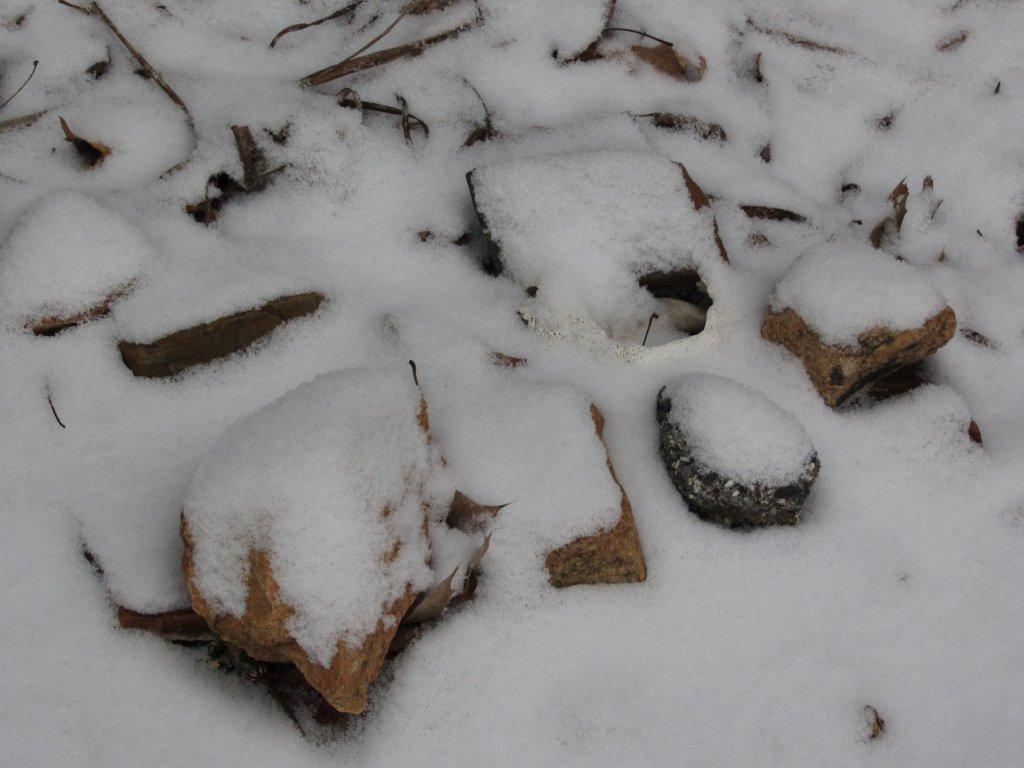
261 633
606 557
837 372
202 343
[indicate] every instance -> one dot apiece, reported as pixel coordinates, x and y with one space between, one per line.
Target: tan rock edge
183 349
611 556
838 371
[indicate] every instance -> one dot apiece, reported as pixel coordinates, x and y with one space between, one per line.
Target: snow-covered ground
899 590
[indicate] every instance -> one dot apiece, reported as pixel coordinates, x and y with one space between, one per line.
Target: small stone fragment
738 459
610 556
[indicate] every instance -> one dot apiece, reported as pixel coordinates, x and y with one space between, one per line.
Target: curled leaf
433 602
92 153
469 515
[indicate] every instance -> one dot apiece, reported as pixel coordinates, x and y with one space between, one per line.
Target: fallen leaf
93 153
433 602
666 60
469 515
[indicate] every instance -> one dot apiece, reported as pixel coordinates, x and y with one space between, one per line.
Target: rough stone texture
262 633
836 371
721 499
605 557
183 349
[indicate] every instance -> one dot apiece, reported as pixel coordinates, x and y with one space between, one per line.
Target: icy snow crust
563 223
307 480
737 432
843 288
66 255
899 589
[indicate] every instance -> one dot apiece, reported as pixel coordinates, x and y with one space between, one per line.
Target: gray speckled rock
729 501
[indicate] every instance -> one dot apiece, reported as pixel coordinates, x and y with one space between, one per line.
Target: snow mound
843 288
737 432
569 26
534 443
307 479
67 254
584 226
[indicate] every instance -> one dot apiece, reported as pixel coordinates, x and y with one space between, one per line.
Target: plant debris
898 197
802 42
502 360
469 515
9 99
358 63
952 41
99 69
254 179
688 124
772 214
182 625
664 58
350 99
92 153
348 10
94 9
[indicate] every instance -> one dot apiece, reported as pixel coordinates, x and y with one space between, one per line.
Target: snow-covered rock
579 231
67 260
306 530
852 313
736 457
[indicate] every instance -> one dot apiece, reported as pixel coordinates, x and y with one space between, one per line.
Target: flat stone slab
204 343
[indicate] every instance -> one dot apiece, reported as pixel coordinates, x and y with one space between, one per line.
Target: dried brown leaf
92 153
469 515
433 602
664 58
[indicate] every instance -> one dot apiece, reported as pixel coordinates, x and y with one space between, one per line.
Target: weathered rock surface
262 633
610 556
838 371
733 501
308 530
183 349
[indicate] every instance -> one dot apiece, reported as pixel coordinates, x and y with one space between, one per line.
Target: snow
307 480
737 432
899 589
844 288
562 225
66 255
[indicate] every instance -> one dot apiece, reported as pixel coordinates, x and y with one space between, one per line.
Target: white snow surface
900 589
842 289
66 255
737 432
325 480
562 224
